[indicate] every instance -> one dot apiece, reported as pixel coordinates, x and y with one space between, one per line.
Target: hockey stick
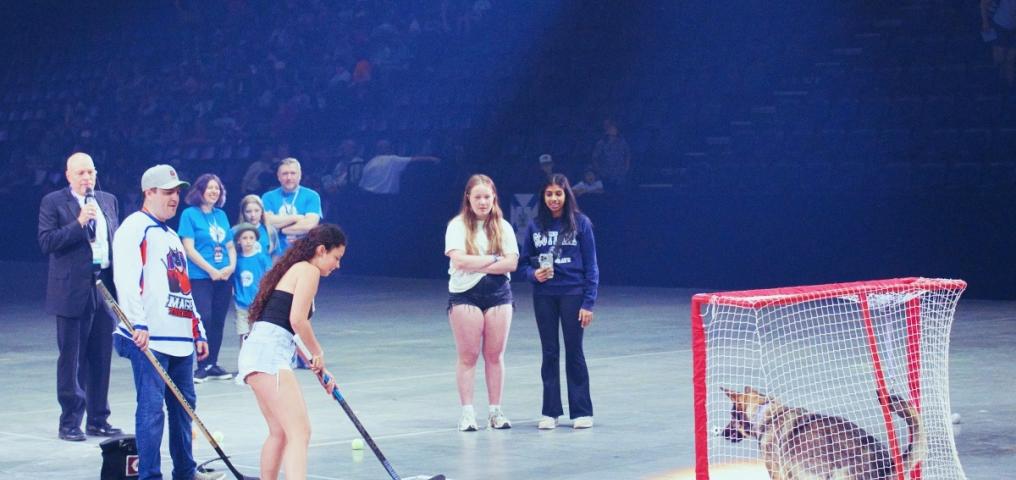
115 308
325 378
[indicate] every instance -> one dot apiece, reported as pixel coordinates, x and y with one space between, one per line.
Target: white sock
468 409
494 409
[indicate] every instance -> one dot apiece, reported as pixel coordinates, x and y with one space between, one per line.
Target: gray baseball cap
161 176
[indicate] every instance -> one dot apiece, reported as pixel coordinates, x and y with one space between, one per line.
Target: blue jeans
149 417
563 310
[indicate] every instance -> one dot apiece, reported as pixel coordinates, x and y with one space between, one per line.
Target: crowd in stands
243 84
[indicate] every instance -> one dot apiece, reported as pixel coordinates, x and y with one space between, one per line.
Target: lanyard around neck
295 194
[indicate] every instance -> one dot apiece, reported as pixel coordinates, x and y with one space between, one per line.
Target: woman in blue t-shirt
559 257
211 260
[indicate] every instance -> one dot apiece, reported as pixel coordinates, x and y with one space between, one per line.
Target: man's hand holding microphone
89 212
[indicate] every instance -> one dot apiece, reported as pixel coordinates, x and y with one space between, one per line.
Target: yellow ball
218 436
356 444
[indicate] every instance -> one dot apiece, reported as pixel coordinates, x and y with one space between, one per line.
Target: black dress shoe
72 434
104 430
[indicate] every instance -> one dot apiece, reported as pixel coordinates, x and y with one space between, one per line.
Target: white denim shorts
268 348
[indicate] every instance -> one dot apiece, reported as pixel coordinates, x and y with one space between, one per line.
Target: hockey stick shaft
325 379
122 317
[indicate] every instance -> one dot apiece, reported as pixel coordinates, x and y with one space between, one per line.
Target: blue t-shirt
249 271
210 232
300 202
264 240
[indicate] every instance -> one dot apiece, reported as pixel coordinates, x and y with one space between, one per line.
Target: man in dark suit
76 226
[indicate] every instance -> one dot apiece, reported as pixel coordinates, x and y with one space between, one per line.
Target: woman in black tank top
282 308
277 310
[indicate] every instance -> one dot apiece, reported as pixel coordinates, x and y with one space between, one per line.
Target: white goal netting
832 381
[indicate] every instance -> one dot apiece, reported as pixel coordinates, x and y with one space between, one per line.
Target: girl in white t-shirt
482 250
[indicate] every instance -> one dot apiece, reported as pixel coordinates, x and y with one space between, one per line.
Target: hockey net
838 350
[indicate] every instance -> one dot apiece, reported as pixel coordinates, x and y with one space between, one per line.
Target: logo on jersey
178 302
176 272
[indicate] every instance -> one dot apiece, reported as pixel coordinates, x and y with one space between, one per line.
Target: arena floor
389 344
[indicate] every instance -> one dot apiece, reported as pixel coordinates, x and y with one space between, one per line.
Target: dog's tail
917 444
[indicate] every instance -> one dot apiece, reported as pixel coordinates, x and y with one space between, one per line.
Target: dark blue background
774 144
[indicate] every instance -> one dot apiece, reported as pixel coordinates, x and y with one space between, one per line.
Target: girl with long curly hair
283 307
482 251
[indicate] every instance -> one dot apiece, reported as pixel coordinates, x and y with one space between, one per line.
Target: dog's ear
731 393
751 391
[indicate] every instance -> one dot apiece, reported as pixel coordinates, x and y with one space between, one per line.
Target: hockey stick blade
325 379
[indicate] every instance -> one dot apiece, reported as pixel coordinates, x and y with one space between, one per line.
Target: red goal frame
791 295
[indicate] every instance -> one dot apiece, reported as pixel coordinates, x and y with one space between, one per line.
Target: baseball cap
161 176
244 227
546 158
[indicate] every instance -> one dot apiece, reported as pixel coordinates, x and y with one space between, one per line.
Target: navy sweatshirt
575 269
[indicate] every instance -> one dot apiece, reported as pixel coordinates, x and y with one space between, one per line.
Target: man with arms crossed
292 209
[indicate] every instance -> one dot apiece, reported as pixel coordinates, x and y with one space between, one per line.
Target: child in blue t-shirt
251 265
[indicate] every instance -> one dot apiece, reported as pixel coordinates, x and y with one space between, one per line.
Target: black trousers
563 310
82 369
212 299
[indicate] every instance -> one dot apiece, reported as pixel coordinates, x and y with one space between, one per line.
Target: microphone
90 196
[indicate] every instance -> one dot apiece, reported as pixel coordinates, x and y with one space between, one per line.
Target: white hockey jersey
150 273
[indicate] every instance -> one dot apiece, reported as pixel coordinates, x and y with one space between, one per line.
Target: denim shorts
268 348
490 292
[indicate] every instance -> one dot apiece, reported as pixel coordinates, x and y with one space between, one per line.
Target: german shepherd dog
797 444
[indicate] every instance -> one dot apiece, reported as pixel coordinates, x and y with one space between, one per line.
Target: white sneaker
209 475
547 423
498 420
583 422
468 421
